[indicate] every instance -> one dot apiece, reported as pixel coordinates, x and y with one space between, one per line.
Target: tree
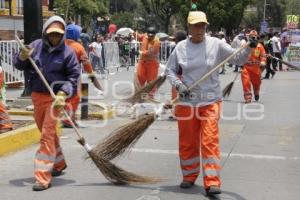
87 9
123 19
159 12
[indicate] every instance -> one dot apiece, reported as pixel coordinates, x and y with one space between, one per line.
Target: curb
20 138
104 114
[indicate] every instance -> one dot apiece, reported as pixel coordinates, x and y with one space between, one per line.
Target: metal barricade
7 50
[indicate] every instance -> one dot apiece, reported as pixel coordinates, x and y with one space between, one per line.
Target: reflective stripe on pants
199 136
49 156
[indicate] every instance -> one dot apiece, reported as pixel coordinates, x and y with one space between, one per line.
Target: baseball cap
56 27
197 17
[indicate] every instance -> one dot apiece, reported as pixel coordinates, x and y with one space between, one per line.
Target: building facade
11 17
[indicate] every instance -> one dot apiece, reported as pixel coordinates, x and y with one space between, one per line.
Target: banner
292 21
293 55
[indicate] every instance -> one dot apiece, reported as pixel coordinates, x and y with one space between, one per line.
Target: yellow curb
103 114
21 138
16 111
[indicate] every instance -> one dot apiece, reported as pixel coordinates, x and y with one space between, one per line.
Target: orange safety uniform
73 102
200 128
5 122
147 69
62 71
251 72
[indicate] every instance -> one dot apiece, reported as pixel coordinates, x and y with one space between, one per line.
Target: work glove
253 42
60 100
25 53
182 90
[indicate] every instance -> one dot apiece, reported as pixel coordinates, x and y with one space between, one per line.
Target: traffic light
194 5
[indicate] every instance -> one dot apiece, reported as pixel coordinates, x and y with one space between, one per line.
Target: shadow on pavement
26 181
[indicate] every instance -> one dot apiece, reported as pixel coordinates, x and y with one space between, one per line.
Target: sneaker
256 97
40 187
55 172
186 184
213 190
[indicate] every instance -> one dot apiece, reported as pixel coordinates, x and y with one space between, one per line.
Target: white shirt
275 40
98 49
196 60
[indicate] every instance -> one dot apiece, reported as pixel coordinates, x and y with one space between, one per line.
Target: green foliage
86 9
123 19
159 12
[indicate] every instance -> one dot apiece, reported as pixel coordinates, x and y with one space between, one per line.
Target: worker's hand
182 90
253 42
25 53
262 66
92 76
60 100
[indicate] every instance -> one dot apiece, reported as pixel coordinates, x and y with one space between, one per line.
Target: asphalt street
259 144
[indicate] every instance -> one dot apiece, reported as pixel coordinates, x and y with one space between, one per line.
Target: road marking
223 154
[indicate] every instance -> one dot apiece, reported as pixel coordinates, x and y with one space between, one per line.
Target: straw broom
138 95
110 171
284 62
127 135
227 90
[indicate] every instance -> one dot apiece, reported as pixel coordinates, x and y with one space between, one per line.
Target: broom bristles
124 137
117 175
227 90
139 95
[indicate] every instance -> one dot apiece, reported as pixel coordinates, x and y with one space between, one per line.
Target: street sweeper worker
59 65
198 110
148 64
72 37
5 121
251 72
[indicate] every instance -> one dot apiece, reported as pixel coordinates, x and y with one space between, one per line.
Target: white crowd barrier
7 50
114 58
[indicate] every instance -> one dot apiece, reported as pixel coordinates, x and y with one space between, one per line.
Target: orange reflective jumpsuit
73 102
5 122
198 115
251 72
200 128
147 69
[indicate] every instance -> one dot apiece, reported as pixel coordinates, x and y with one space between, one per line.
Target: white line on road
223 154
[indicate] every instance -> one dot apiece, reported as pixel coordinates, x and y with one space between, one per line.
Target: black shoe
55 172
186 184
256 97
213 190
68 125
273 73
40 187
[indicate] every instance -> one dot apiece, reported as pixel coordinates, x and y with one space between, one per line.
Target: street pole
265 4
33 26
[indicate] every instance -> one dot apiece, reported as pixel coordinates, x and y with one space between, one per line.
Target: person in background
96 54
221 35
72 38
276 46
237 42
60 67
266 41
85 40
198 110
251 72
5 121
148 64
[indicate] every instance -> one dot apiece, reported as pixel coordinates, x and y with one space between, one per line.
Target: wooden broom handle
212 70
284 62
49 88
